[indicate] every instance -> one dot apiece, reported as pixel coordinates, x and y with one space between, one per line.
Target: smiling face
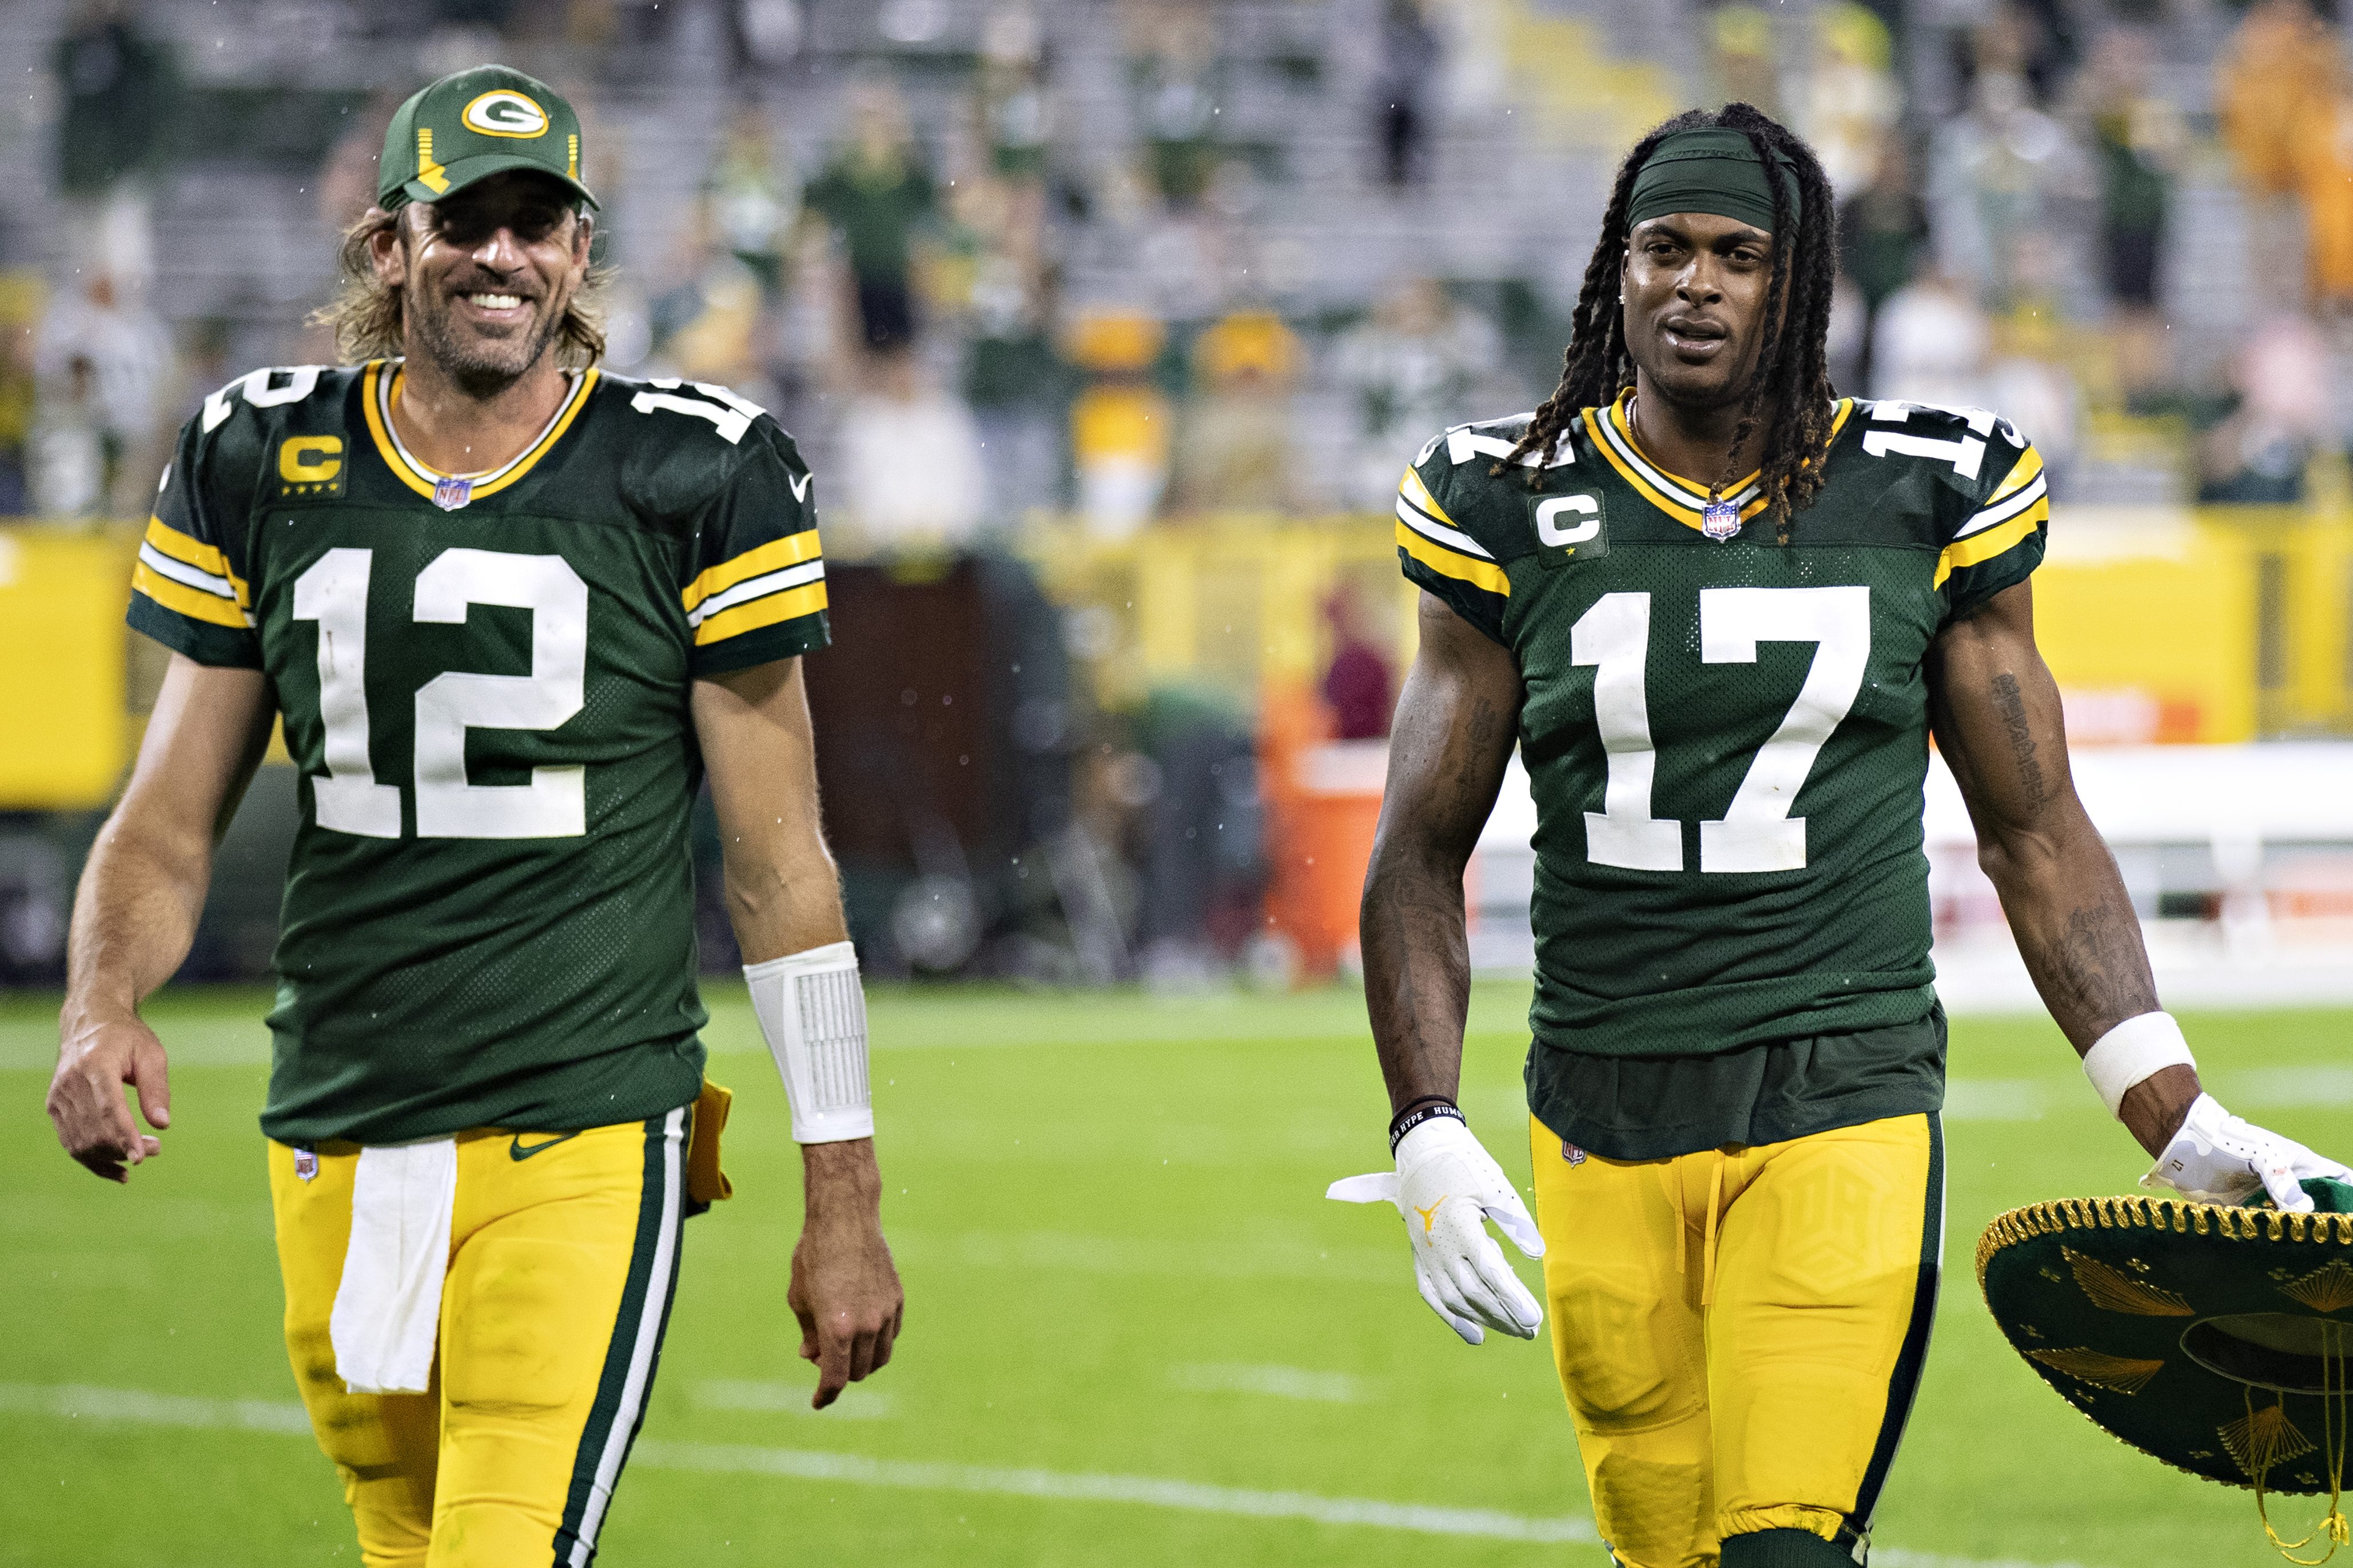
485 275
1694 292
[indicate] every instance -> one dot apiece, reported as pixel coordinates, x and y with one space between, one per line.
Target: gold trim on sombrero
2176 1214
2118 1372
2117 1291
2328 1289
2265 1440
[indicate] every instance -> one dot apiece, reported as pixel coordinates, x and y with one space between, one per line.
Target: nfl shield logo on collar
1720 522
451 491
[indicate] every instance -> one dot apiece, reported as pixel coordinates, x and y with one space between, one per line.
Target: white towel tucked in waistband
388 1307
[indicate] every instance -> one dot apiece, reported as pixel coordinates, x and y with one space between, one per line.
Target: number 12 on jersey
333 591
1756 832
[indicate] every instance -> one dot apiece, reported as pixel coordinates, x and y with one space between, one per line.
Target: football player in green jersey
1720 613
508 610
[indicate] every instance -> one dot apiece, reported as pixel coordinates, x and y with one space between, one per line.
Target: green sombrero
2218 1339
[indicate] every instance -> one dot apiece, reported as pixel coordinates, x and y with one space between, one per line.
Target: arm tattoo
2099 972
2012 703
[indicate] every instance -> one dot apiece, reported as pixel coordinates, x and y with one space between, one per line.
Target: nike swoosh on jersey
800 487
515 1151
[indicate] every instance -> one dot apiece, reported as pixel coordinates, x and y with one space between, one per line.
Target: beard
479 367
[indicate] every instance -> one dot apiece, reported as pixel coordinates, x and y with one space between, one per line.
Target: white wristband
812 1012
2135 1050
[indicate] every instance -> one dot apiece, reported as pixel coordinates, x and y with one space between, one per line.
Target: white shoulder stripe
181 571
1438 533
2007 508
758 587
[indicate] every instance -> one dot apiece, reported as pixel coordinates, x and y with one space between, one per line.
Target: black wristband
1419 1110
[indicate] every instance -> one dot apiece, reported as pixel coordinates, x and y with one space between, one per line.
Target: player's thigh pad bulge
537 1282
529 1325
1625 1336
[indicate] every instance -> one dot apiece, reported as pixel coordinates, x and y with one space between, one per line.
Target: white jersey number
553 805
1756 832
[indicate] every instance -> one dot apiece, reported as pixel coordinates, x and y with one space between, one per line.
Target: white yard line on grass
139 1407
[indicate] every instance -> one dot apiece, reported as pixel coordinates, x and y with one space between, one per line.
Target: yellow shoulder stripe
1978 548
193 602
1417 494
195 553
790 604
2020 477
1437 558
789 551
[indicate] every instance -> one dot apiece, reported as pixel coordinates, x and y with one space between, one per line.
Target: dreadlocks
1791 371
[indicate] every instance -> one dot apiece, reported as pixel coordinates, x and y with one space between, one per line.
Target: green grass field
1137 1333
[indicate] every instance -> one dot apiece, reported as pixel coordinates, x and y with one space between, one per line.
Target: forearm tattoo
2011 701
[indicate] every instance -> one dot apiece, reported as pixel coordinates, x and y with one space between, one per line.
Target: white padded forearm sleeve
813 1011
2140 1047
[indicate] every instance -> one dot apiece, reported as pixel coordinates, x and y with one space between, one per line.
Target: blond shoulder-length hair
365 313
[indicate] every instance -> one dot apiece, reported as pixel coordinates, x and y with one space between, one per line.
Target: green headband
1710 171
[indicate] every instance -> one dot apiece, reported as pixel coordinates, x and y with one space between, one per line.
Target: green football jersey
488 911
1727 739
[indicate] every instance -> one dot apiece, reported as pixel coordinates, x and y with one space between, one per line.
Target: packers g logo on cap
505 112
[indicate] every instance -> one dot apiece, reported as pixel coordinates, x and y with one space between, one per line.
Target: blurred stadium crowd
1036 280
1162 258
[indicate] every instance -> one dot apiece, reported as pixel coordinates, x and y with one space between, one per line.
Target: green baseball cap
472 124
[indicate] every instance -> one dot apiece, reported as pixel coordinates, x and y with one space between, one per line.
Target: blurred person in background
69 458
1745 41
1014 379
1122 425
120 95
1412 366
105 364
1930 343
878 196
1359 688
1850 94
2282 412
2000 169
1883 236
1409 61
1016 117
1235 451
1177 76
20 297
2280 62
912 478
487 1118
2140 140
2324 175
754 196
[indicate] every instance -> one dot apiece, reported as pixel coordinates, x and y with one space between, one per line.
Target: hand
845 1289
95 1059
1445 1182
2218 1158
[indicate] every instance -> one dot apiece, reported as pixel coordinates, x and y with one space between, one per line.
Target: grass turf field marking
136 1406
790 1399
1281 1382
286 1416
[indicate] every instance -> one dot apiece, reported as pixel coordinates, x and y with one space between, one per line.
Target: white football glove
1444 1183
2219 1158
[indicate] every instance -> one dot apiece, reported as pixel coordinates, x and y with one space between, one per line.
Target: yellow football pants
562 1259
1740 1330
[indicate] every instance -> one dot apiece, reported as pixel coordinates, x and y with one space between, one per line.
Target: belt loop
1675 1174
